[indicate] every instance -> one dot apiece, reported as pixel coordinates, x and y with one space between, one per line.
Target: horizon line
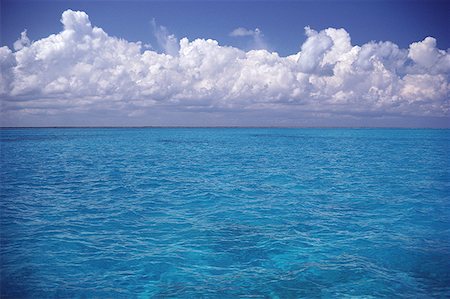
218 127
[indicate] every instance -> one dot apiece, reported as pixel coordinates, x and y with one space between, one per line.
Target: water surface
224 213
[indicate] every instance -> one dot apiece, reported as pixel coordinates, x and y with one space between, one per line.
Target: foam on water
275 213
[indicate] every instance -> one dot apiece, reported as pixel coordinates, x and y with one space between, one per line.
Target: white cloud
428 57
166 41
240 31
7 62
76 21
82 69
258 41
23 41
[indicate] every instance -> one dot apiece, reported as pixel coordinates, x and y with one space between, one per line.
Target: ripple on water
224 213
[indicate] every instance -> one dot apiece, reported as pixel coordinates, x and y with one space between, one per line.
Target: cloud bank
83 69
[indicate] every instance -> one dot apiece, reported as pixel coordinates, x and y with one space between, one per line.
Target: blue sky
282 22
359 63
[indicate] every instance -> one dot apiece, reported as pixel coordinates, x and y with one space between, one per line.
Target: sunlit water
225 213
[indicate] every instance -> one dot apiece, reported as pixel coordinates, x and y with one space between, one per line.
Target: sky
225 63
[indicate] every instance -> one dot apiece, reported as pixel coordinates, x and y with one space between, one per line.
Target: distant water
220 213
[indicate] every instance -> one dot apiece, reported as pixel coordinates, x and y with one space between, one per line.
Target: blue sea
225 213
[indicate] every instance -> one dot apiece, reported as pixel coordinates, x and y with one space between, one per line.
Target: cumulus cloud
23 41
428 57
82 69
166 41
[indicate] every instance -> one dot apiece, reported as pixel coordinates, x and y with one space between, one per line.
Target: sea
225 213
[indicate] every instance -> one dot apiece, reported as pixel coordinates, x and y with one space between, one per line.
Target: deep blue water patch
278 213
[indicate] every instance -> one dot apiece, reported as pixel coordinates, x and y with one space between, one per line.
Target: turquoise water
219 213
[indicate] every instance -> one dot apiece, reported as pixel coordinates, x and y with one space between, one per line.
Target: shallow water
225 213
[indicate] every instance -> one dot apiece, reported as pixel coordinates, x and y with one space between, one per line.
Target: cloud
242 32
258 41
83 70
7 62
23 41
427 57
166 41
76 21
